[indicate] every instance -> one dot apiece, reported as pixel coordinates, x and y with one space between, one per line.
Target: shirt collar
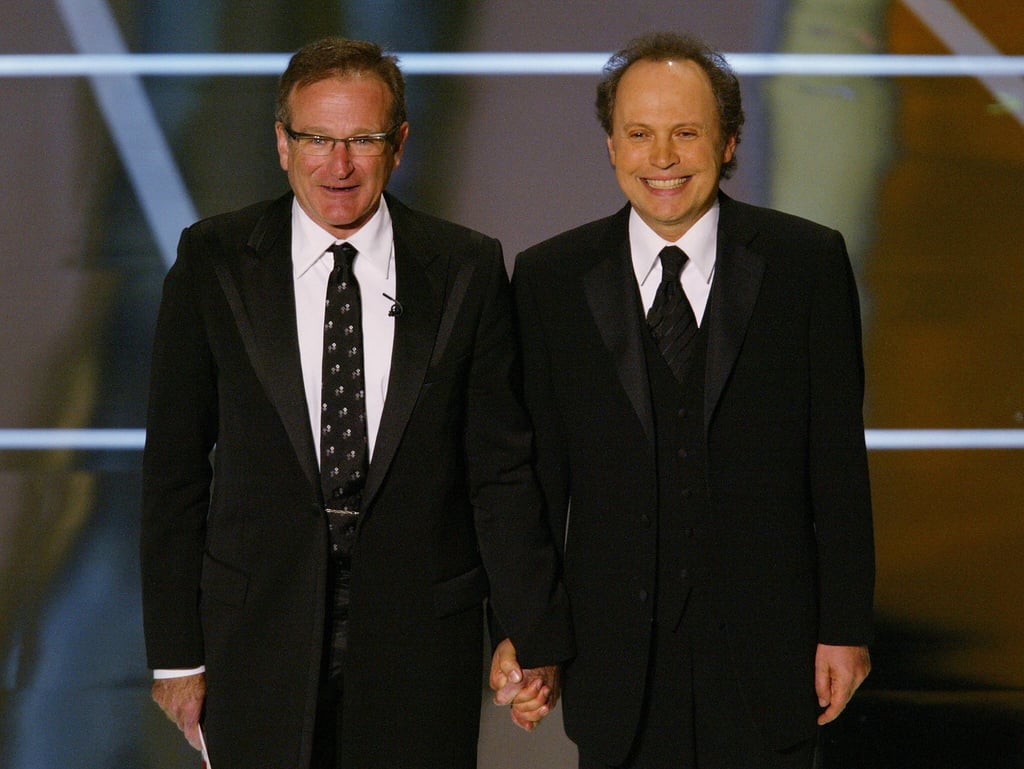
699 243
310 241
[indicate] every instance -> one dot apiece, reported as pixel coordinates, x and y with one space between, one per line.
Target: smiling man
313 597
694 375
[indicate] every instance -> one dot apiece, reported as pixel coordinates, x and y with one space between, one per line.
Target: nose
340 160
663 152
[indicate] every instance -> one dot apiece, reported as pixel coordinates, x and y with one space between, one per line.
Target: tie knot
344 254
672 260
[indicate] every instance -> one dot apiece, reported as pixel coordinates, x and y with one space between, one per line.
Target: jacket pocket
462 592
222 583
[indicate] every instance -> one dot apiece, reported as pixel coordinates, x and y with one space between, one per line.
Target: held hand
537 698
181 699
838 671
532 693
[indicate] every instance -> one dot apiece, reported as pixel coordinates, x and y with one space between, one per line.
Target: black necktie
671 318
343 450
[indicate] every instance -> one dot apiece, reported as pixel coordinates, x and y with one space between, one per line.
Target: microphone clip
396 306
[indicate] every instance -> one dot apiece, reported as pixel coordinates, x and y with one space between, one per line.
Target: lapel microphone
396 307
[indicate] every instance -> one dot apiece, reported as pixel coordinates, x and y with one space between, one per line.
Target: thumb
823 684
506 677
504 666
512 671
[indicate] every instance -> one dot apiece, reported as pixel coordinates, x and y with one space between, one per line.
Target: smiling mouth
666 184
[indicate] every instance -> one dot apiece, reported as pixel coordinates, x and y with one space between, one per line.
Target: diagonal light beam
962 37
129 115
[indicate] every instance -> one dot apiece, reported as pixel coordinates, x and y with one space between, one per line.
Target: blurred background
923 171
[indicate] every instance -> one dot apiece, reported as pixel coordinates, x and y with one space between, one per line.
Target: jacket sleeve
838 468
516 547
180 434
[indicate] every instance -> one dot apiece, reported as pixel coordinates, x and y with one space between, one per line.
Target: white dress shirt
374 267
699 243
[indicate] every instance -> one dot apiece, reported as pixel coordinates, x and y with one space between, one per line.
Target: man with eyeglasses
337 469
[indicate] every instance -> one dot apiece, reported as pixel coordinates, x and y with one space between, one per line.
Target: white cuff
177 672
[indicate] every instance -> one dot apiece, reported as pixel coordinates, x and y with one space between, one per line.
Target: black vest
681 450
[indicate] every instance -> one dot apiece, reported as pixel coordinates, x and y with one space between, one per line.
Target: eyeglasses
360 146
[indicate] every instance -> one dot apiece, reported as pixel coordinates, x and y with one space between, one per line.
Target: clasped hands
531 693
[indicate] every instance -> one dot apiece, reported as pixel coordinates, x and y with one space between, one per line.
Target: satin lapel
738 274
422 284
610 288
262 299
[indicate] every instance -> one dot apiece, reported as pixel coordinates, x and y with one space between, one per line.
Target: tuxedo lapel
261 295
422 281
610 288
738 274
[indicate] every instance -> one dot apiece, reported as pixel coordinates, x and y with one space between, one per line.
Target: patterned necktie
671 318
343 449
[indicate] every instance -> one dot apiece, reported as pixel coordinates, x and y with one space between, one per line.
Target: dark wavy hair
339 57
663 46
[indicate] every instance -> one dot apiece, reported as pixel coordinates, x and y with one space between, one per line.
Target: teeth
665 184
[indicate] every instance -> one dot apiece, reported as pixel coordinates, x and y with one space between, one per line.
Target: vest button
687 493
684 575
683 413
642 595
645 521
682 453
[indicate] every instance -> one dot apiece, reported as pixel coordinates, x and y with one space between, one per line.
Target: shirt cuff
177 672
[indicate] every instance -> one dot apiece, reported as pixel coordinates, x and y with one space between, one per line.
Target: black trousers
327 729
681 726
327 753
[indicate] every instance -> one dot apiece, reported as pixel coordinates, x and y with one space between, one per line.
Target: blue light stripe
877 440
57 439
196 65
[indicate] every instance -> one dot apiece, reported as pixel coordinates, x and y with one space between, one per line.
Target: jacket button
687 493
645 521
682 453
684 575
642 595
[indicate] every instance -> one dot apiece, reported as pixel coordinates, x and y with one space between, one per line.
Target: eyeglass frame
380 135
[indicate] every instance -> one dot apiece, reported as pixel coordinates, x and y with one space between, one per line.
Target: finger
523 723
529 690
531 697
533 711
497 679
840 693
514 690
831 713
192 735
507 693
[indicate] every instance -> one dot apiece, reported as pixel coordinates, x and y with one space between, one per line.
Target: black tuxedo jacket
234 545
786 554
